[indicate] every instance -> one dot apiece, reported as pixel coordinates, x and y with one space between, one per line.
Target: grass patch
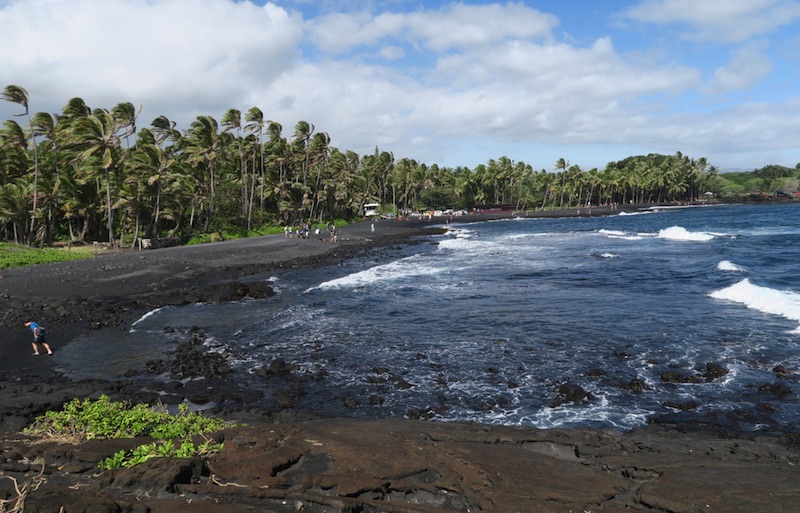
82 420
15 255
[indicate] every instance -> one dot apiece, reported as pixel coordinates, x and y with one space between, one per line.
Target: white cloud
718 20
747 67
451 80
339 33
156 52
454 26
391 52
458 25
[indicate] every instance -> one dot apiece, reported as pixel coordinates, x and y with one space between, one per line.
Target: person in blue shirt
38 338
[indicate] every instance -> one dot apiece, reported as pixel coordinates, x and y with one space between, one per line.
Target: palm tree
562 164
154 164
203 148
232 120
14 142
18 95
14 205
164 130
125 114
47 125
302 135
320 149
95 137
278 162
255 125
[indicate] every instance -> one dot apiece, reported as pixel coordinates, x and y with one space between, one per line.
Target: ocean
599 322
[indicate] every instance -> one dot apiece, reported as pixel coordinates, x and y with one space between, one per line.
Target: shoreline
338 464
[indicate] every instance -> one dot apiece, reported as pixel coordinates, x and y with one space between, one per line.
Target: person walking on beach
38 338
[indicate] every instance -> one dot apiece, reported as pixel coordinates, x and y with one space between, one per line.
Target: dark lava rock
351 402
683 406
192 360
679 377
635 385
277 367
714 371
571 393
780 371
286 398
777 389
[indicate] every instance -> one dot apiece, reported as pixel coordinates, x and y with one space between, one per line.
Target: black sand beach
286 460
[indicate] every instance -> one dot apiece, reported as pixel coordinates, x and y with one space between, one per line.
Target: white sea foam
680 233
457 238
617 234
461 233
639 213
457 243
771 301
399 269
602 412
727 265
145 316
603 255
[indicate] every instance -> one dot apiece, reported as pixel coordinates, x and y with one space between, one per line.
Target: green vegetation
13 255
81 420
94 174
165 449
769 181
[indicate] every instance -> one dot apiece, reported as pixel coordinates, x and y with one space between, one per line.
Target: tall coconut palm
47 125
203 148
18 95
14 205
302 136
232 120
320 149
95 137
279 154
255 125
164 131
153 164
562 164
14 143
125 114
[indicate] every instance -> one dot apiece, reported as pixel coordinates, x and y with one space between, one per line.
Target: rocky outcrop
398 466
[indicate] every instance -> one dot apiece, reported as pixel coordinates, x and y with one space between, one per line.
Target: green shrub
165 449
85 419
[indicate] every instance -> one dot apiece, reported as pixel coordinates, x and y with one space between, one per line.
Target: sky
447 83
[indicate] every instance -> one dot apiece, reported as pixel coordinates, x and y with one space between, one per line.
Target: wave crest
681 233
770 301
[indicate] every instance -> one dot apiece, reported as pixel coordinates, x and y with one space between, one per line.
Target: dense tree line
95 174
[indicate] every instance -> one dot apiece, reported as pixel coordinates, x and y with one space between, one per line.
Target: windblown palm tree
18 95
255 125
95 137
203 148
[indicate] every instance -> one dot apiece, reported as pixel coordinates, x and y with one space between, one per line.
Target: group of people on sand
301 233
304 232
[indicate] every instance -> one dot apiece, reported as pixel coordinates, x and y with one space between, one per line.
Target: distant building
371 209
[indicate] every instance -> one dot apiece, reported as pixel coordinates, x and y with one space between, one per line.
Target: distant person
38 338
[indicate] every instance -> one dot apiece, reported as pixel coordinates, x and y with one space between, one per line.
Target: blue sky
451 83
